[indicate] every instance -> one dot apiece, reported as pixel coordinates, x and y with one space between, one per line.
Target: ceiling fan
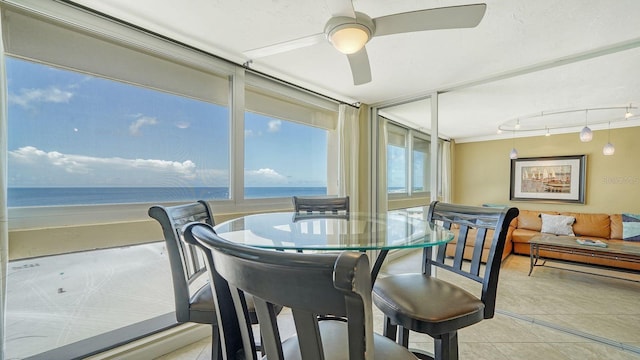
348 31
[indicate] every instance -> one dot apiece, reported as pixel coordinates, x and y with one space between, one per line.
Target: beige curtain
446 171
4 222
381 190
349 144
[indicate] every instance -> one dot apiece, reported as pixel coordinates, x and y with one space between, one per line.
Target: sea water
54 196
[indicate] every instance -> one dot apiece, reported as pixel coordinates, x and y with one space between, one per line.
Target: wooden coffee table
568 245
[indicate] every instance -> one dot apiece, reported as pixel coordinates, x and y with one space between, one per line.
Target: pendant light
514 153
608 149
628 114
586 135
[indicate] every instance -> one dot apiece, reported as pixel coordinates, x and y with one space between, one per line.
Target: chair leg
216 347
446 346
389 330
403 336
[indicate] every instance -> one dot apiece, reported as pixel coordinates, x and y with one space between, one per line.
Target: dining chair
425 303
321 204
310 285
193 296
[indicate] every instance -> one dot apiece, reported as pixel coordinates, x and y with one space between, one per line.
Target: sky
71 129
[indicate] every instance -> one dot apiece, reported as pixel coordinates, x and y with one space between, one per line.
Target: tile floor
555 313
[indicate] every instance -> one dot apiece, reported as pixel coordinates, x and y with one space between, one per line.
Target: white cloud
274 125
134 128
56 168
183 124
262 177
48 95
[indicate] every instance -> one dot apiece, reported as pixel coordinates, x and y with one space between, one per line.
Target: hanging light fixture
586 135
548 133
608 149
628 114
349 35
514 153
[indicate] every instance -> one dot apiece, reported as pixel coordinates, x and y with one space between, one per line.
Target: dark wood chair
426 304
309 284
193 296
320 204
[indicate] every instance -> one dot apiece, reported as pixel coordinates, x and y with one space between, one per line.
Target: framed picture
549 179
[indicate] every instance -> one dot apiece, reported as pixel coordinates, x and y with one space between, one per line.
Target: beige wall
482 170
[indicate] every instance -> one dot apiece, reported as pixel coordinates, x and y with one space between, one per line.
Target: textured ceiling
525 57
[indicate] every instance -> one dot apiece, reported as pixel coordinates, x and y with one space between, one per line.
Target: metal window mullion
236 165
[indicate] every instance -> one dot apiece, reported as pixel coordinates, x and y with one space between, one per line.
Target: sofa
595 226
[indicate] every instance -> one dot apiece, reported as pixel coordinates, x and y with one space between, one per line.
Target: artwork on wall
549 179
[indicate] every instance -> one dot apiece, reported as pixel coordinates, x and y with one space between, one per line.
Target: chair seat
426 304
334 333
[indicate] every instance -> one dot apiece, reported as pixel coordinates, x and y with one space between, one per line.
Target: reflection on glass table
400 229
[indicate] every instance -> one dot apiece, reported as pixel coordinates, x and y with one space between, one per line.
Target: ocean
55 196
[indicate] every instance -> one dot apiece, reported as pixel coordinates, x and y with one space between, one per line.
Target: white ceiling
525 57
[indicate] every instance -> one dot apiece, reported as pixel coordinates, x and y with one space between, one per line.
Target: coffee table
568 245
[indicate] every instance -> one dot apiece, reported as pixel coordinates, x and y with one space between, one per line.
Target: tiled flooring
553 314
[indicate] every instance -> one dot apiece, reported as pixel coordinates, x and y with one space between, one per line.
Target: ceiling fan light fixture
349 38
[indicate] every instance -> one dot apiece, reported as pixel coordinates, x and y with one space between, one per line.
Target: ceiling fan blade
341 8
285 46
453 17
360 69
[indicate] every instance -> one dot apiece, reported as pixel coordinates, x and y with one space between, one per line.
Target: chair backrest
187 264
322 204
310 284
472 220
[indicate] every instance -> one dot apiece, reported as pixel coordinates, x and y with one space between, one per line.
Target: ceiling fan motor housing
349 35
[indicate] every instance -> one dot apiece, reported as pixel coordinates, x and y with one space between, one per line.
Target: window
81 139
113 119
421 166
408 163
397 159
286 137
283 158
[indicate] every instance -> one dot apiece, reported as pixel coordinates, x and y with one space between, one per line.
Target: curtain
4 223
446 171
381 197
349 144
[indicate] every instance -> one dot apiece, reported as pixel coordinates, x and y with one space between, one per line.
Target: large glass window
283 158
102 114
286 137
421 166
408 162
397 170
81 139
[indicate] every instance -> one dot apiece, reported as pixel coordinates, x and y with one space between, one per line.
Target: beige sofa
605 227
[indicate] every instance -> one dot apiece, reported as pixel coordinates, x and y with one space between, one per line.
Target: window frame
412 198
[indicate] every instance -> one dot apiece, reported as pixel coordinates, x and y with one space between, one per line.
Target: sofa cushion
530 219
631 227
595 225
557 224
616 226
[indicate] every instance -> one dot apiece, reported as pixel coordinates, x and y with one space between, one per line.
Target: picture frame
556 179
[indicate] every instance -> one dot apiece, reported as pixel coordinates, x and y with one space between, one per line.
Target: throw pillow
631 227
557 224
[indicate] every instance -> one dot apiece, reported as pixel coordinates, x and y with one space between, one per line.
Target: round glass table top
352 231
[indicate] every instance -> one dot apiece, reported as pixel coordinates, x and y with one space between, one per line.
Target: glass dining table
380 232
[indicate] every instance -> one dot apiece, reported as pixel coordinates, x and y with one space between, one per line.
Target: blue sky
71 129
